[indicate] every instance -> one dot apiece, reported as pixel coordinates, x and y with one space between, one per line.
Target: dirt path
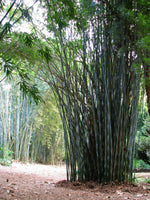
38 182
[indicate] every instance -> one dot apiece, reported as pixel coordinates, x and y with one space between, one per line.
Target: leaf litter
45 182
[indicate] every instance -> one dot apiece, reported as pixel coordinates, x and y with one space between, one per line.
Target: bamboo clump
97 89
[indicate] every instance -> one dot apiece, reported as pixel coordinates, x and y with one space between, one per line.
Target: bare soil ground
45 182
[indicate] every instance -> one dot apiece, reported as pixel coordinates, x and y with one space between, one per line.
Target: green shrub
140 164
148 180
5 160
142 143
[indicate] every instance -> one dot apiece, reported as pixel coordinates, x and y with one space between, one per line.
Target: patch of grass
147 180
5 162
135 180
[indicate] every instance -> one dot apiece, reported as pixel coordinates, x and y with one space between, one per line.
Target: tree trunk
147 85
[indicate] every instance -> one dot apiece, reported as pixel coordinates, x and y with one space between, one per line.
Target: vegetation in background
5 157
31 132
142 146
20 93
47 144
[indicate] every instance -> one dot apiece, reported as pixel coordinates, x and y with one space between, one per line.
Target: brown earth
45 182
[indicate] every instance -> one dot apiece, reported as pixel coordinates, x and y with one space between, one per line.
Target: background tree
142 19
16 125
12 51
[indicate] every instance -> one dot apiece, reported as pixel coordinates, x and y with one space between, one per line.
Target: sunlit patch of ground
44 182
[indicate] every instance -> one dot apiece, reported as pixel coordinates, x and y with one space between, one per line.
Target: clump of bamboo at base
97 87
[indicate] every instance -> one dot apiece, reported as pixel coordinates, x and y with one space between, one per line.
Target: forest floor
46 182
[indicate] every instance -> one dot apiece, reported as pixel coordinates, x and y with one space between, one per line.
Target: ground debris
35 181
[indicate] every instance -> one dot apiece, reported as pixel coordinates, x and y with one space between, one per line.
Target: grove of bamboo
92 62
97 85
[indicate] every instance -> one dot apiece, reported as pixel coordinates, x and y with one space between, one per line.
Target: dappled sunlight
55 173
